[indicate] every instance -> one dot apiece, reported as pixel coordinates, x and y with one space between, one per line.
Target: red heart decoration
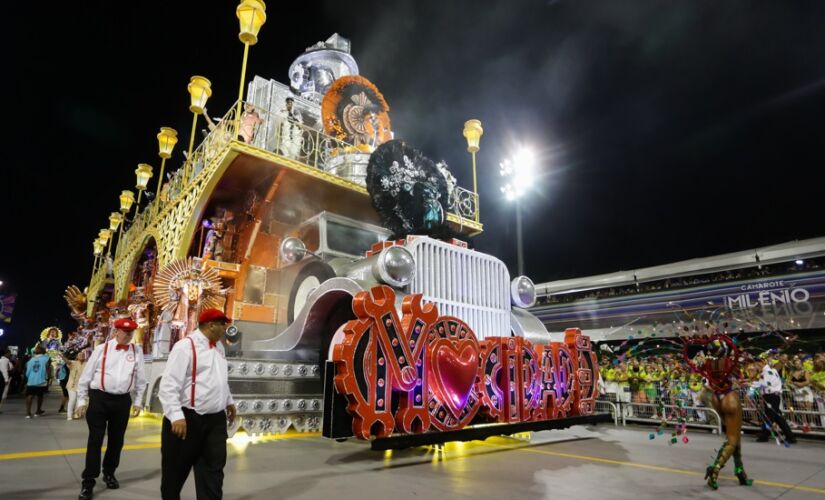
454 367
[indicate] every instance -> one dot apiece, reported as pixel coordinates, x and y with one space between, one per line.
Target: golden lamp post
473 132
115 218
251 16
200 90
127 199
167 138
105 237
143 173
97 247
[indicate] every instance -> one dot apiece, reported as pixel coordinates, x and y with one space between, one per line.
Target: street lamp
105 237
251 16
115 219
518 175
143 173
200 90
97 248
127 199
167 138
473 132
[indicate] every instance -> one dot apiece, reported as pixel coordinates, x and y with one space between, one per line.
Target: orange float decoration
354 111
422 371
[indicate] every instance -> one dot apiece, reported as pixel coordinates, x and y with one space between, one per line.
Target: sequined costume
719 363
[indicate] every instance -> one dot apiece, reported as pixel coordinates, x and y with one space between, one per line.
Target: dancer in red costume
719 362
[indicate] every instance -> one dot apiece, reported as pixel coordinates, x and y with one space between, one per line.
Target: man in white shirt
197 405
770 385
5 375
114 381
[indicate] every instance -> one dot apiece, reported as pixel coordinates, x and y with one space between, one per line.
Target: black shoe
86 493
111 481
792 441
762 439
39 412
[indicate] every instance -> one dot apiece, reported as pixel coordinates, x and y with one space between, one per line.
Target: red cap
125 324
208 315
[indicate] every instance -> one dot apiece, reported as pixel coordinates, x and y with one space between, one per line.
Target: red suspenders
194 371
103 368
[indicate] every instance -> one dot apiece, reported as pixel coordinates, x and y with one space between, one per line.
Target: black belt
108 395
190 411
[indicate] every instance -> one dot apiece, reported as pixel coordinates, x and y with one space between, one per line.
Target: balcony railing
277 134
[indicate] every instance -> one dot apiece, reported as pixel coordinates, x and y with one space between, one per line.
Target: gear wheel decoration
557 380
452 364
381 353
422 371
510 386
586 387
354 110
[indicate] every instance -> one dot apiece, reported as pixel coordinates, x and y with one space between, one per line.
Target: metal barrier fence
804 410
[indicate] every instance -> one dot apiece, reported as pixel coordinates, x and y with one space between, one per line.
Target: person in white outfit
76 367
5 375
197 407
114 381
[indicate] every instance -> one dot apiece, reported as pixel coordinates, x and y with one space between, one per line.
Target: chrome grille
469 285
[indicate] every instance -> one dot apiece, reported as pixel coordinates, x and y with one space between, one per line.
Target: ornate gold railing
164 216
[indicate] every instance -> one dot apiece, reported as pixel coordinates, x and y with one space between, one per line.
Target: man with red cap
197 406
114 381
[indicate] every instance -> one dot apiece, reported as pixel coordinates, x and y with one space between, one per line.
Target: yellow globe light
115 218
251 16
143 173
127 198
167 138
200 90
104 235
473 132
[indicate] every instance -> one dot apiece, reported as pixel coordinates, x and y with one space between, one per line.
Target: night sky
667 130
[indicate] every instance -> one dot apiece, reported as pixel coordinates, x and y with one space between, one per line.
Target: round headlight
292 250
396 266
523 292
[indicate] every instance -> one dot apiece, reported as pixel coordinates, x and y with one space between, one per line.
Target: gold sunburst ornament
184 278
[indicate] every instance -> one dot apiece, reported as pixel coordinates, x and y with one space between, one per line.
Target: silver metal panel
464 283
255 285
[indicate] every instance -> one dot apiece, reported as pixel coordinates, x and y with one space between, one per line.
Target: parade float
341 255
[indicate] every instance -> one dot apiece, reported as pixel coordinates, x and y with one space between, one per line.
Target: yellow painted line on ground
657 468
147 446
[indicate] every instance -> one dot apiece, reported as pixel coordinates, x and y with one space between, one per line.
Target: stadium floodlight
518 174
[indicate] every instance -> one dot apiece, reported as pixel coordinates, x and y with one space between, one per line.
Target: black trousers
775 416
105 411
204 448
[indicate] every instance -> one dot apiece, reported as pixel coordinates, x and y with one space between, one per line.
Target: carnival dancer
197 406
114 381
718 363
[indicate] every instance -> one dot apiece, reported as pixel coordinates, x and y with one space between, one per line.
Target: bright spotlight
799 262
2 332
524 159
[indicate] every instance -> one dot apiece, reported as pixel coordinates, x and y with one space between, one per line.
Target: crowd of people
687 281
667 379
33 373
